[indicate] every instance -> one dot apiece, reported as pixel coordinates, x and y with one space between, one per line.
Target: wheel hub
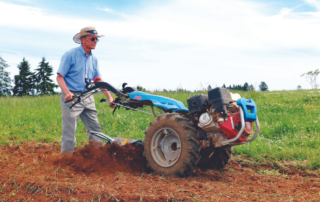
171 147
166 147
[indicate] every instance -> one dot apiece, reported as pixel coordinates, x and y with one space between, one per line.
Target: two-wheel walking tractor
179 138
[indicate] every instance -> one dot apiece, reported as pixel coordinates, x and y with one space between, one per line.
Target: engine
217 114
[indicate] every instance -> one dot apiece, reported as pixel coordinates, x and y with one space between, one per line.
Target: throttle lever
115 109
117 106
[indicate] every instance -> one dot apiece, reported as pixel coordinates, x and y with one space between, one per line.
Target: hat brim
77 37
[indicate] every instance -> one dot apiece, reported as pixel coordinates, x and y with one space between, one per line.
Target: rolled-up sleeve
65 64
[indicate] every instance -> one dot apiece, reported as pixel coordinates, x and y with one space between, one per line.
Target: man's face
90 41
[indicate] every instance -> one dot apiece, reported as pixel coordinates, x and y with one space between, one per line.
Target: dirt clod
108 159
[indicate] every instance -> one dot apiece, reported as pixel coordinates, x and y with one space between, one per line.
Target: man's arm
107 94
64 87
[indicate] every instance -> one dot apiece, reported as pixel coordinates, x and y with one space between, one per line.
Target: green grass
290 129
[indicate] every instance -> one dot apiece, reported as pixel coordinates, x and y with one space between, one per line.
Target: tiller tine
119 140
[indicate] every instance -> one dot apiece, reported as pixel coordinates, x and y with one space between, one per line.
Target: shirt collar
84 52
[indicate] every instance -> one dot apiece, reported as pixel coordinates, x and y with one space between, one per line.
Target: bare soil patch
35 171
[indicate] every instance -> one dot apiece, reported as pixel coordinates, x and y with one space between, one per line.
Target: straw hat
84 32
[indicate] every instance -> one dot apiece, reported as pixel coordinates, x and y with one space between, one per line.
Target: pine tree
263 86
246 86
209 87
24 81
5 81
42 81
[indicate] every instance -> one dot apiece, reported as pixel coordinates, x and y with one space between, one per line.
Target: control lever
104 100
76 102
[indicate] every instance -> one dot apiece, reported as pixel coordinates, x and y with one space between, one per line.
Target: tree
43 83
140 88
24 81
251 88
224 86
263 86
299 87
5 81
311 77
209 87
246 86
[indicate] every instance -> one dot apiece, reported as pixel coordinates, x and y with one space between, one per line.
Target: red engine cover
230 126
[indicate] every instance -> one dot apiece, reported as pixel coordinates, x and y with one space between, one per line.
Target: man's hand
112 105
69 96
64 87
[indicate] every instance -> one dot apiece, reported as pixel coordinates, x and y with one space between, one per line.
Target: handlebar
90 87
93 86
110 88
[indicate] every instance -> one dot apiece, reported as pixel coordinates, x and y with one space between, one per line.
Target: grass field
290 129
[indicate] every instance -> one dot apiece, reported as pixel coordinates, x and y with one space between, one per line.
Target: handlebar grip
73 97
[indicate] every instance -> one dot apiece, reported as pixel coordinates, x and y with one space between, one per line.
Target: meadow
290 130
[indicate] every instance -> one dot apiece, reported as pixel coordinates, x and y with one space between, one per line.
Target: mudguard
159 101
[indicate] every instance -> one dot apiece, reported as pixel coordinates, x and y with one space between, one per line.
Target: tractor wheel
171 146
220 157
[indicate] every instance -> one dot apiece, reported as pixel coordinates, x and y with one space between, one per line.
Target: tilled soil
36 172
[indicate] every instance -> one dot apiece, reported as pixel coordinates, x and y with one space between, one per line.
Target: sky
170 44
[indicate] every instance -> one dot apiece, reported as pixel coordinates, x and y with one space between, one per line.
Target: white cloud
24 1
284 12
109 10
315 3
232 39
114 12
203 22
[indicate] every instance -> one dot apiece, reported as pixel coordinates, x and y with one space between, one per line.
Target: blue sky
168 44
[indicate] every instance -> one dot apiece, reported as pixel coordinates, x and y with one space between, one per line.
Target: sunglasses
93 39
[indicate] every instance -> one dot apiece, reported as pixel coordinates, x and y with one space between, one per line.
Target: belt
75 91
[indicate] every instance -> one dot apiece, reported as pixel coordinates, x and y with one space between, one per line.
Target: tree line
27 82
39 82
246 87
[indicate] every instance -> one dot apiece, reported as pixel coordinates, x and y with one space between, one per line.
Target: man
77 65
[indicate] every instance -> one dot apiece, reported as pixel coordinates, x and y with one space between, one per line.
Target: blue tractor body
159 101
